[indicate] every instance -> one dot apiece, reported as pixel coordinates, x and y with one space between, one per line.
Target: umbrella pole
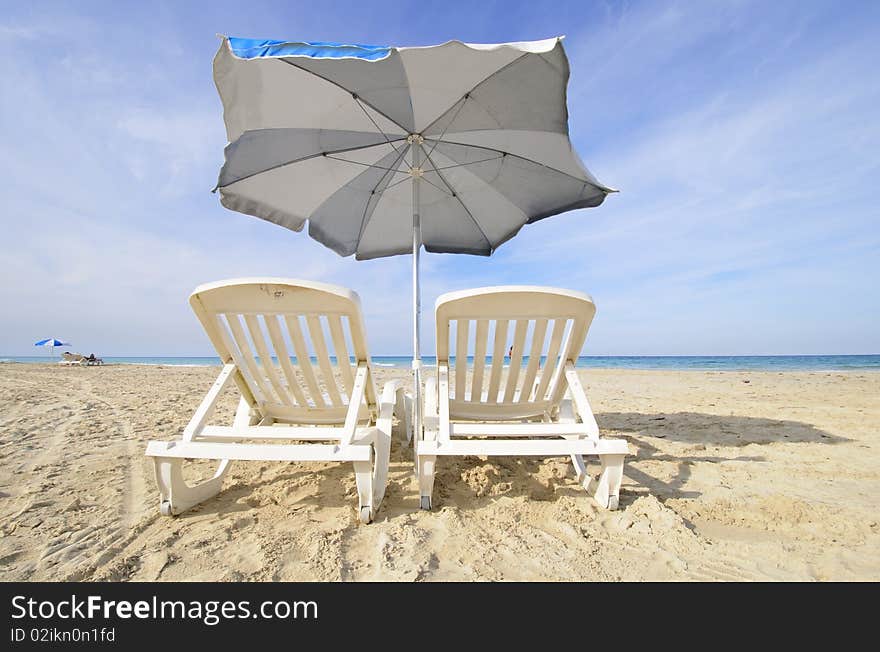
417 306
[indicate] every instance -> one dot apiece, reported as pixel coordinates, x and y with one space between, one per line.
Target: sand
733 476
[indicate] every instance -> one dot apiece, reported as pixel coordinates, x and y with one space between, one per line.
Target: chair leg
416 458
580 470
175 495
426 479
403 409
606 488
382 456
425 464
363 476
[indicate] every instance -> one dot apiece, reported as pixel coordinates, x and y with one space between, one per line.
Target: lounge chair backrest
272 328
539 320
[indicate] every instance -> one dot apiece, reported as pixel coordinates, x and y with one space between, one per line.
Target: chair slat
320 345
479 360
538 336
461 341
341 350
230 346
302 359
552 358
259 341
247 355
519 343
557 387
501 327
283 356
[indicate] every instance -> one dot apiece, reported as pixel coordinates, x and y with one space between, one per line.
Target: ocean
671 363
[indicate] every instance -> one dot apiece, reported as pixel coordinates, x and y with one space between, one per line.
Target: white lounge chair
69 359
250 321
539 411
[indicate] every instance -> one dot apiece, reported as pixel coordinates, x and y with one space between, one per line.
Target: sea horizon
807 362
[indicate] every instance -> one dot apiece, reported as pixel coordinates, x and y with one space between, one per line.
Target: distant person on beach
510 351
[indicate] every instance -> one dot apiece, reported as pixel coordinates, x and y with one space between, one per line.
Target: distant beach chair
92 360
250 321
72 359
546 414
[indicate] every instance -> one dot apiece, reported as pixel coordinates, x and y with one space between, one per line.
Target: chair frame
359 432
547 415
72 359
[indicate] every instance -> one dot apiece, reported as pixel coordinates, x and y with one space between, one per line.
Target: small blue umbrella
51 342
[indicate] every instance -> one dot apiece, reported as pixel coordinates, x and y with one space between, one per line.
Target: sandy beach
732 476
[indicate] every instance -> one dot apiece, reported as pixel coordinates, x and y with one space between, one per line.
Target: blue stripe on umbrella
249 48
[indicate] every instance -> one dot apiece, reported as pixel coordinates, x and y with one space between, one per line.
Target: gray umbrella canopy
384 150
330 134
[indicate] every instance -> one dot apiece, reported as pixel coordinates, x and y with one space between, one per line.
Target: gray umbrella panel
325 140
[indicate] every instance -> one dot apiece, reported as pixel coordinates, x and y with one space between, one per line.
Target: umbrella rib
483 160
352 93
396 183
455 194
443 190
304 158
524 158
473 88
503 197
366 165
364 219
375 124
443 133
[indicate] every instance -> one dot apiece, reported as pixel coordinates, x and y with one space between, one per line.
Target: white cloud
173 149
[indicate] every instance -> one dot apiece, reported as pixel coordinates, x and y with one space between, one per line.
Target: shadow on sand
472 483
642 431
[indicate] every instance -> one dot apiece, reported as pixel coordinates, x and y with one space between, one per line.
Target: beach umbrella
385 150
51 343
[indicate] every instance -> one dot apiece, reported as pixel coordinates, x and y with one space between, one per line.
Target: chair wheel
426 503
365 515
165 508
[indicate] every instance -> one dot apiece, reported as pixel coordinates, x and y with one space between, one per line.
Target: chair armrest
395 402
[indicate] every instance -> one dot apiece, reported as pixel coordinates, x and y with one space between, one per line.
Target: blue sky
744 138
